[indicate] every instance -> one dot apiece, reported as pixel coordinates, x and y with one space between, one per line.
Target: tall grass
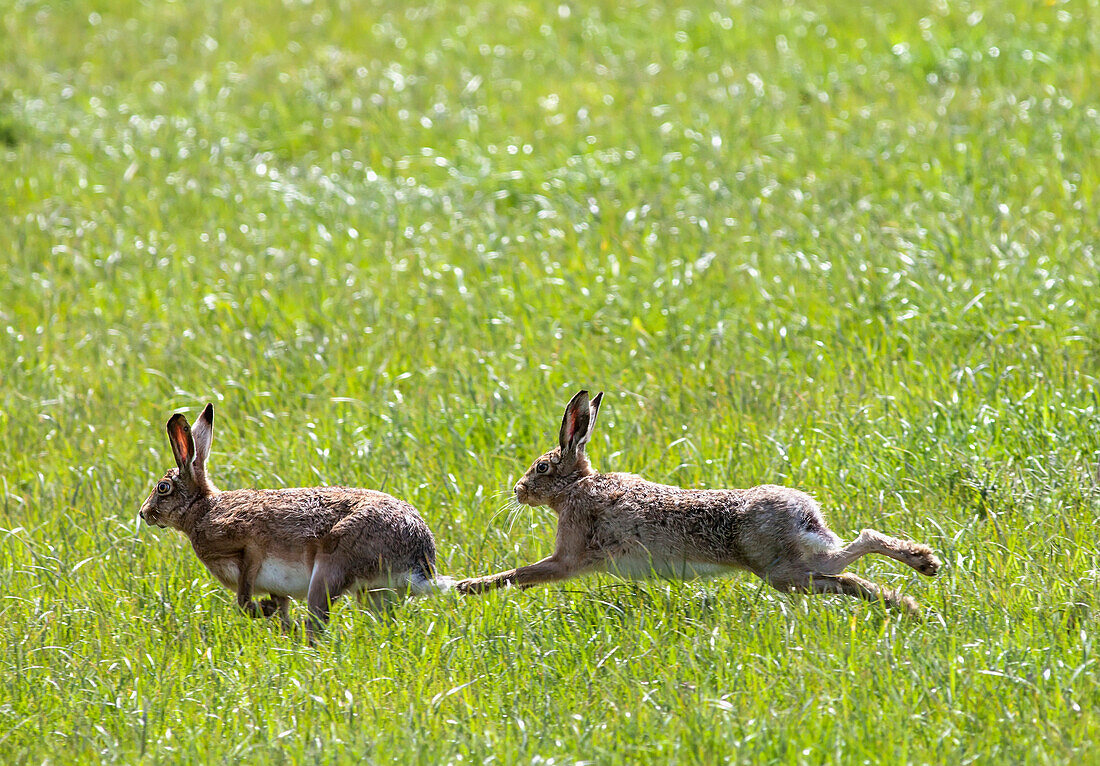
849 248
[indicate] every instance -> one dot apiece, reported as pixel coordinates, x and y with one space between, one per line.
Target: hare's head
554 472
176 492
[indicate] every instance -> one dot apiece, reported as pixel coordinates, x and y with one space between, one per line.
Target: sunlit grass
841 247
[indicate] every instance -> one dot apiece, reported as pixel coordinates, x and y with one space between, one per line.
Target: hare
621 523
313 543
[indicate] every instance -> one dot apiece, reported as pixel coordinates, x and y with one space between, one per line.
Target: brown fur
315 542
621 522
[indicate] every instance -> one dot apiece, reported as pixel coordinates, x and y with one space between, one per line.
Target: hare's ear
575 424
183 444
593 410
204 435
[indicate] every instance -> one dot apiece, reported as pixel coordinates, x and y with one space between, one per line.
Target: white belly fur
277 577
283 578
644 568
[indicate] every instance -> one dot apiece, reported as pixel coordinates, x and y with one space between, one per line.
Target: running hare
311 543
620 522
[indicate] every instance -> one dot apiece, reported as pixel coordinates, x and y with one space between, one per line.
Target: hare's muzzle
147 514
521 492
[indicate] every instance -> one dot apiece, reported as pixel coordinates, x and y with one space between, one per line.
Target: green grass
846 248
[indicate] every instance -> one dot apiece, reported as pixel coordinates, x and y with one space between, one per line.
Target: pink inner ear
572 428
181 444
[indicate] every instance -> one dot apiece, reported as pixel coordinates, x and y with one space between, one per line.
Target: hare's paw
929 566
472 586
910 608
269 606
921 558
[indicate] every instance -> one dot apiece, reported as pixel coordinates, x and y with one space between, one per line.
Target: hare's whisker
513 517
500 509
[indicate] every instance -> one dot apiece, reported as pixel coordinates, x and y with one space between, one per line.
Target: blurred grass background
845 247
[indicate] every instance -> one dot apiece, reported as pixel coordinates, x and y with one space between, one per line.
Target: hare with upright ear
622 523
313 543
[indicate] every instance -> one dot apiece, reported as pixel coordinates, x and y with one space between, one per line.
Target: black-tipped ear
183 444
203 434
574 424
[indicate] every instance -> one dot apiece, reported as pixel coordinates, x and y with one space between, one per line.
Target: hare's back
663 522
728 527
303 514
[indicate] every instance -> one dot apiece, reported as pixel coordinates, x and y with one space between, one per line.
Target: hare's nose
515 489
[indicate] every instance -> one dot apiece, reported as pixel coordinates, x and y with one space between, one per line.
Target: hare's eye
542 466
164 487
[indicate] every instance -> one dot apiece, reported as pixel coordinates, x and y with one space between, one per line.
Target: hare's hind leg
847 585
915 555
327 582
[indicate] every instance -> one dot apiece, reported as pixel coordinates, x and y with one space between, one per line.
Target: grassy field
848 248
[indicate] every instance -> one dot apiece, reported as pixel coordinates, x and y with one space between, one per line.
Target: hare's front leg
249 567
547 570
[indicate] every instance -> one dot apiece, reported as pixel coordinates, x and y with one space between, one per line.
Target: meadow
847 247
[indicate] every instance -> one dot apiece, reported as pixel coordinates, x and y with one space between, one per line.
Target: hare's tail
429 583
442 584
